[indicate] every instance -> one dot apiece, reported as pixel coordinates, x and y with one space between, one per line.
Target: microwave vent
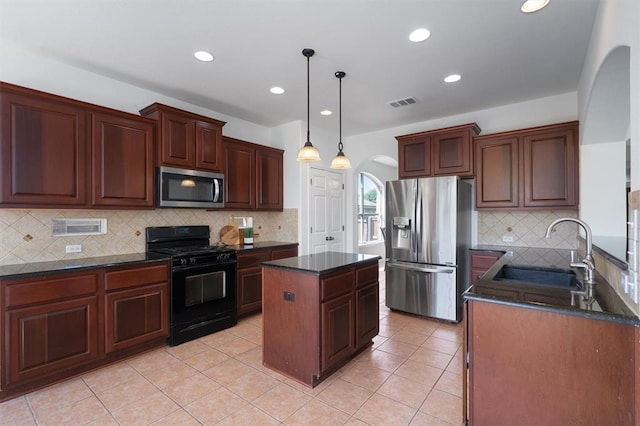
67 227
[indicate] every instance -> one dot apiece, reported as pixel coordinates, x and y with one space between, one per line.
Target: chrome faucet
587 264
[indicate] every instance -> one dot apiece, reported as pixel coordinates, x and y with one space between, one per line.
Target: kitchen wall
25 235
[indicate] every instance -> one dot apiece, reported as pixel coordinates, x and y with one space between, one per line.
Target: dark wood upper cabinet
43 151
186 139
122 149
253 176
528 168
441 152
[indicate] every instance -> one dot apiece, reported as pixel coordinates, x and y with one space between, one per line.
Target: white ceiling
504 56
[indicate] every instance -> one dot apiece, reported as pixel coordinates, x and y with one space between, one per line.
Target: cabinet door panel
239 172
452 154
497 173
50 338
208 146
338 337
269 185
43 152
249 290
367 311
137 315
177 147
414 157
550 176
122 161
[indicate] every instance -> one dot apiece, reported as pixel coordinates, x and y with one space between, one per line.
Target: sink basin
555 277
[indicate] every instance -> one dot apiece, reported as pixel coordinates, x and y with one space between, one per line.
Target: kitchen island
535 358
318 312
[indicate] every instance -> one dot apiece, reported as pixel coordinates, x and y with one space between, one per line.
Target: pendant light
340 161
308 153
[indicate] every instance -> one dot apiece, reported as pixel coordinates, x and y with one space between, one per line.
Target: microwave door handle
216 186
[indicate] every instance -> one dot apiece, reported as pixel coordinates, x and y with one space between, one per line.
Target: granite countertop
261 245
41 268
320 263
609 306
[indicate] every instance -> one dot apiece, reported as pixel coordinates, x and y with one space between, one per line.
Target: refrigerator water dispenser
401 237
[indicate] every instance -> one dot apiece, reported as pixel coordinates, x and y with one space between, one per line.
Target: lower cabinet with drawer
481 261
249 276
61 324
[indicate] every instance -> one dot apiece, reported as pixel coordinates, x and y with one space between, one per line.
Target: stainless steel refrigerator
428 236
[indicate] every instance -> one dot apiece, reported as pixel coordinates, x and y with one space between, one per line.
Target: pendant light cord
340 146
308 103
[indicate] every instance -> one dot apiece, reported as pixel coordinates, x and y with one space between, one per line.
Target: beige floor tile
179 417
282 401
236 346
159 359
441 345
355 422
314 391
378 340
228 371
145 411
419 372
397 347
16 412
216 339
448 333
126 392
252 357
388 331
431 357
380 410
450 383
216 406
443 406
411 337
422 419
57 396
405 391
187 350
165 377
251 385
317 413
382 360
206 359
109 377
345 396
249 415
425 327
79 412
456 364
365 376
188 389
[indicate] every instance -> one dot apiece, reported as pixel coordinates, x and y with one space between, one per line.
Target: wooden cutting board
229 234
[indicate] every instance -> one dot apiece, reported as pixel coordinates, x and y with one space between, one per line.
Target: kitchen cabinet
122 160
43 151
548 367
315 319
137 304
187 140
249 275
480 261
441 152
60 324
253 176
59 152
528 169
52 325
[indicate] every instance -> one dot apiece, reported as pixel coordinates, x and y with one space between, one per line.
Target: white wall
617 23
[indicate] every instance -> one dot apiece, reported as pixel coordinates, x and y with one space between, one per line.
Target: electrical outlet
76 248
507 238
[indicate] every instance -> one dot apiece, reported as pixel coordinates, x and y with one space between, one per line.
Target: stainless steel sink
556 277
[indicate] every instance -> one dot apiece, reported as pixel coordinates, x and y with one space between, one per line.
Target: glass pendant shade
308 153
340 161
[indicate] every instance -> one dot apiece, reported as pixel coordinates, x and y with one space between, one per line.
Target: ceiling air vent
402 102
63 227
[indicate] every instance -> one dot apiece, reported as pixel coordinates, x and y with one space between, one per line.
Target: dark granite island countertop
609 307
321 263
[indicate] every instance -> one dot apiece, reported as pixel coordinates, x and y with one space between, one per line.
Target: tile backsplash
25 235
527 228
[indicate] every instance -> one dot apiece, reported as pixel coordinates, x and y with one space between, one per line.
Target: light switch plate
76 248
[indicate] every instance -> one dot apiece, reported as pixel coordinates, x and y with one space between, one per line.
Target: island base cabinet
367 310
338 340
529 366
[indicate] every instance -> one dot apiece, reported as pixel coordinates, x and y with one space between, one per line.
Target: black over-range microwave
189 188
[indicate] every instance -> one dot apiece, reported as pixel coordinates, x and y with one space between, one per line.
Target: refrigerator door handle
415 267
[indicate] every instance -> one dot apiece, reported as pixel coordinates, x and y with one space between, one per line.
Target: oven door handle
210 266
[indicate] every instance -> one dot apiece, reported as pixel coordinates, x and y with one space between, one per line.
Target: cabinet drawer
484 260
283 253
367 274
253 258
132 277
335 285
27 291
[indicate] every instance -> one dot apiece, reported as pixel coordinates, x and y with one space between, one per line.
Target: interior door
326 211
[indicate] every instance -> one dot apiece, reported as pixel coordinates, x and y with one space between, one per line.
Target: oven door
203 292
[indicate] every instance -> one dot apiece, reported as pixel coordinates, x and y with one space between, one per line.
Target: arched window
370 208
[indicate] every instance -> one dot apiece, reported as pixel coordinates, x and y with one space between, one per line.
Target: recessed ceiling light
452 78
421 34
531 6
277 90
203 56
326 112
